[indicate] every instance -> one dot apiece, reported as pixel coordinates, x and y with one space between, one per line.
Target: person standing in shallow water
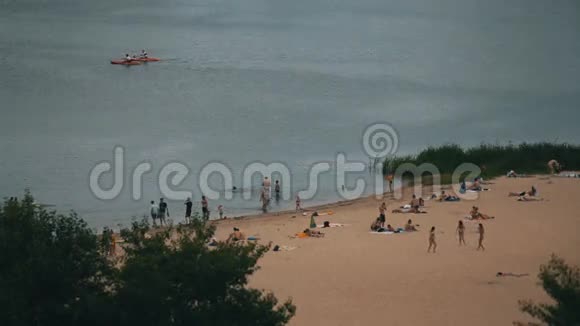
432 243
154 212
163 211
204 208
298 207
481 232
188 205
277 191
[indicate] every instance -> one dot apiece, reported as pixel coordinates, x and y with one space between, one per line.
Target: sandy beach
353 277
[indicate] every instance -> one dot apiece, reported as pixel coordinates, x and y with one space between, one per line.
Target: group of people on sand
378 226
461 235
460 231
142 55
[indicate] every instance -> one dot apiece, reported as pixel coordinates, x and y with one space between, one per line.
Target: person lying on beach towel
446 197
307 233
475 214
531 193
503 274
407 210
529 198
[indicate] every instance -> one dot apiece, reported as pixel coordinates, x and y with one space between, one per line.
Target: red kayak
125 62
148 59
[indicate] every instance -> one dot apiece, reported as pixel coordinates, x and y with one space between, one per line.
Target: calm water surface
288 81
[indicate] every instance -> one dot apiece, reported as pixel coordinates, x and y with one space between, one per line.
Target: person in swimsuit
236 236
531 193
476 215
481 232
409 227
461 232
382 217
154 212
432 243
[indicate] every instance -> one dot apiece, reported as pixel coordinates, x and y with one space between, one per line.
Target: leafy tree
55 271
172 277
51 269
562 283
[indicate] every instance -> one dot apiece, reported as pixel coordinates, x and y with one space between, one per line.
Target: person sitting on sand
236 236
409 227
531 193
389 228
475 214
376 225
476 186
415 202
529 198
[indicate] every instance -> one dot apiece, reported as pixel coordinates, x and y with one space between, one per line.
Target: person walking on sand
481 232
188 205
382 217
221 211
154 212
298 207
163 211
204 208
461 232
432 243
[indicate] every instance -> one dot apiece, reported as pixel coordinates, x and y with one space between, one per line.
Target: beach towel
283 248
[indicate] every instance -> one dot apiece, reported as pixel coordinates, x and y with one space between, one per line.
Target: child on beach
432 243
221 211
481 232
461 232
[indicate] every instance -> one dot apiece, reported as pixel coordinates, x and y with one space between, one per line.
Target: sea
297 83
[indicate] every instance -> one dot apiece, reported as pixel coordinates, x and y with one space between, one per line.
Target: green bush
562 283
495 160
55 271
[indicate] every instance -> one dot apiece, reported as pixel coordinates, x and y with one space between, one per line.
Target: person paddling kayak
128 58
143 54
